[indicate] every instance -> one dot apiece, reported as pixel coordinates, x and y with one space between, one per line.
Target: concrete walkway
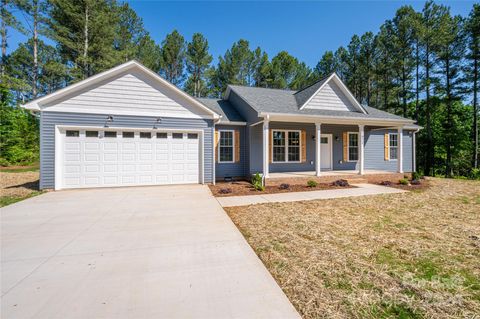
140 252
359 190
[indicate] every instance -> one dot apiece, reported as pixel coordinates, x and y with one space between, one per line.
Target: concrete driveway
143 252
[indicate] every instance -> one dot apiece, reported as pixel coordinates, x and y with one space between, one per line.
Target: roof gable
129 89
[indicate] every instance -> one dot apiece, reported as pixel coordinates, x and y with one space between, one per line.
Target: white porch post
361 147
318 140
400 150
265 147
414 151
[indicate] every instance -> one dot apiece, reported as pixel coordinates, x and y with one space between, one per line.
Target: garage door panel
139 159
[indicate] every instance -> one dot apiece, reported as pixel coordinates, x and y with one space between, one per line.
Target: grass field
411 255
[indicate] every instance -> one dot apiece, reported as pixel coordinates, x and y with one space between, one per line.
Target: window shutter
303 151
345 146
216 146
270 145
237 146
385 146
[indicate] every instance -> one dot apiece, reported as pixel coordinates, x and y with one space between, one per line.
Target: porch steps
356 180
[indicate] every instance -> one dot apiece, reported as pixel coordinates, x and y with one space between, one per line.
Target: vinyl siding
374 152
48 120
237 169
331 97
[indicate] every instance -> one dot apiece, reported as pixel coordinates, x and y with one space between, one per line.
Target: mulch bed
424 184
242 188
18 184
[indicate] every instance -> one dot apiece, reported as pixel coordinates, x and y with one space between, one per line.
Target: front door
326 151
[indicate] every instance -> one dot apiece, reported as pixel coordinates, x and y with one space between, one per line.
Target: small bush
416 176
403 181
386 183
225 190
341 183
257 182
415 182
312 183
475 174
284 186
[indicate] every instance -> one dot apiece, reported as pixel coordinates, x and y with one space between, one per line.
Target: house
129 126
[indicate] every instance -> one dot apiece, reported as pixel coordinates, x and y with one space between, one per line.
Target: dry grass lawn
412 255
17 185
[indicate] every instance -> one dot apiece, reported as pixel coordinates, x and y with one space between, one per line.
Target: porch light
336 138
108 120
157 121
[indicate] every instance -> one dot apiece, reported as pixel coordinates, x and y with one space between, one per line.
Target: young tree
173 58
198 61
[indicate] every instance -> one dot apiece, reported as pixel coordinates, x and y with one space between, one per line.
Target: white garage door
108 157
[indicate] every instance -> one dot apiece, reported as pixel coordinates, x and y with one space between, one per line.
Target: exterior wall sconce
108 120
157 122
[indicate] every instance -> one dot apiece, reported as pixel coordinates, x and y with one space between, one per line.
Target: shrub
284 186
416 176
415 182
311 183
225 190
341 183
257 182
403 181
475 174
386 183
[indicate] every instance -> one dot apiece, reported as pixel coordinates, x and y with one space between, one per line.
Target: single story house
128 126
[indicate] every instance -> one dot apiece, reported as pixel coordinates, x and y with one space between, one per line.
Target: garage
99 157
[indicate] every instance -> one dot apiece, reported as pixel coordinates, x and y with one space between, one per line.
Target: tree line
422 65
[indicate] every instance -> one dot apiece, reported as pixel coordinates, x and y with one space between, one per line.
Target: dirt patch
18 184
241 188
408 255
424 184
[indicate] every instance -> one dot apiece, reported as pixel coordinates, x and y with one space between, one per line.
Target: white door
326 151
114 157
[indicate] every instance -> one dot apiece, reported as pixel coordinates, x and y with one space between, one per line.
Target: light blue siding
48 120
237 169
374 152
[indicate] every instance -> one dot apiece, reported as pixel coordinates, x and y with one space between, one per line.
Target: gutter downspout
215 121
414 150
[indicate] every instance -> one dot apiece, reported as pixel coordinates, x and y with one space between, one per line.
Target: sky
306 29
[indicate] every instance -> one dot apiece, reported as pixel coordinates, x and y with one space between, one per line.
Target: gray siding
237 169
48 120
331 97
374 152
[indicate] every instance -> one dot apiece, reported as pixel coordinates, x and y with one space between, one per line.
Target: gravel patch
18 184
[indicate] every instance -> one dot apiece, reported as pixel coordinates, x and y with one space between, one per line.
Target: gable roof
36 105
223 107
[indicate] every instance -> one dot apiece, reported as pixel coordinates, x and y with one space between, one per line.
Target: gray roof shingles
223 108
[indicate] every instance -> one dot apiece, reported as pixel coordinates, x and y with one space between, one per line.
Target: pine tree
198 61
367 59
129 33
149 53
7 20
173 58
325 66
288 72
262 69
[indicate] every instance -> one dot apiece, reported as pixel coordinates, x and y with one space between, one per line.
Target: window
286 146
73 133
192 136
393 146
91 133
324 140
128 134
225 146
110 134
162 135
177 135
145 135
353 147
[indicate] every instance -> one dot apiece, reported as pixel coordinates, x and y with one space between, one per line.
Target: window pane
177 135
226 154
226 138
128 134
91 133
393 140
110 134
293 138
293 153
192 136
278 154
393 152
162 135
145 135
353 139
72 133
353 154
278 138
324 140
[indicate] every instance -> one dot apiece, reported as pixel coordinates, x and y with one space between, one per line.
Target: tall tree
198 61
325 66
367 60
8 20
129 33
288 72
149 53
85 32
472 73
173 58
262 69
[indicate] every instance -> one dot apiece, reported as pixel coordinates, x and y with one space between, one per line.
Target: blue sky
306 29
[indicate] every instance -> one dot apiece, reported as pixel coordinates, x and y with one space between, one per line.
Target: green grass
8 200
19 170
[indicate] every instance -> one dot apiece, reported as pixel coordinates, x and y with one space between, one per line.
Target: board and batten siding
331 97
130 93
48 120
237 169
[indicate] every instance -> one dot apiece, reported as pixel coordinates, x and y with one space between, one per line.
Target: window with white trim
352 147
392 146
285 146
226 146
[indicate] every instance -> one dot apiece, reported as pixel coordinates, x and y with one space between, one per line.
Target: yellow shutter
303 151
237 146
270 145
345 146
216 146
385 146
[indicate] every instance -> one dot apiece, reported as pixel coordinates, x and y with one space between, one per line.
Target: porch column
361 147
400 150
265 147
318 148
